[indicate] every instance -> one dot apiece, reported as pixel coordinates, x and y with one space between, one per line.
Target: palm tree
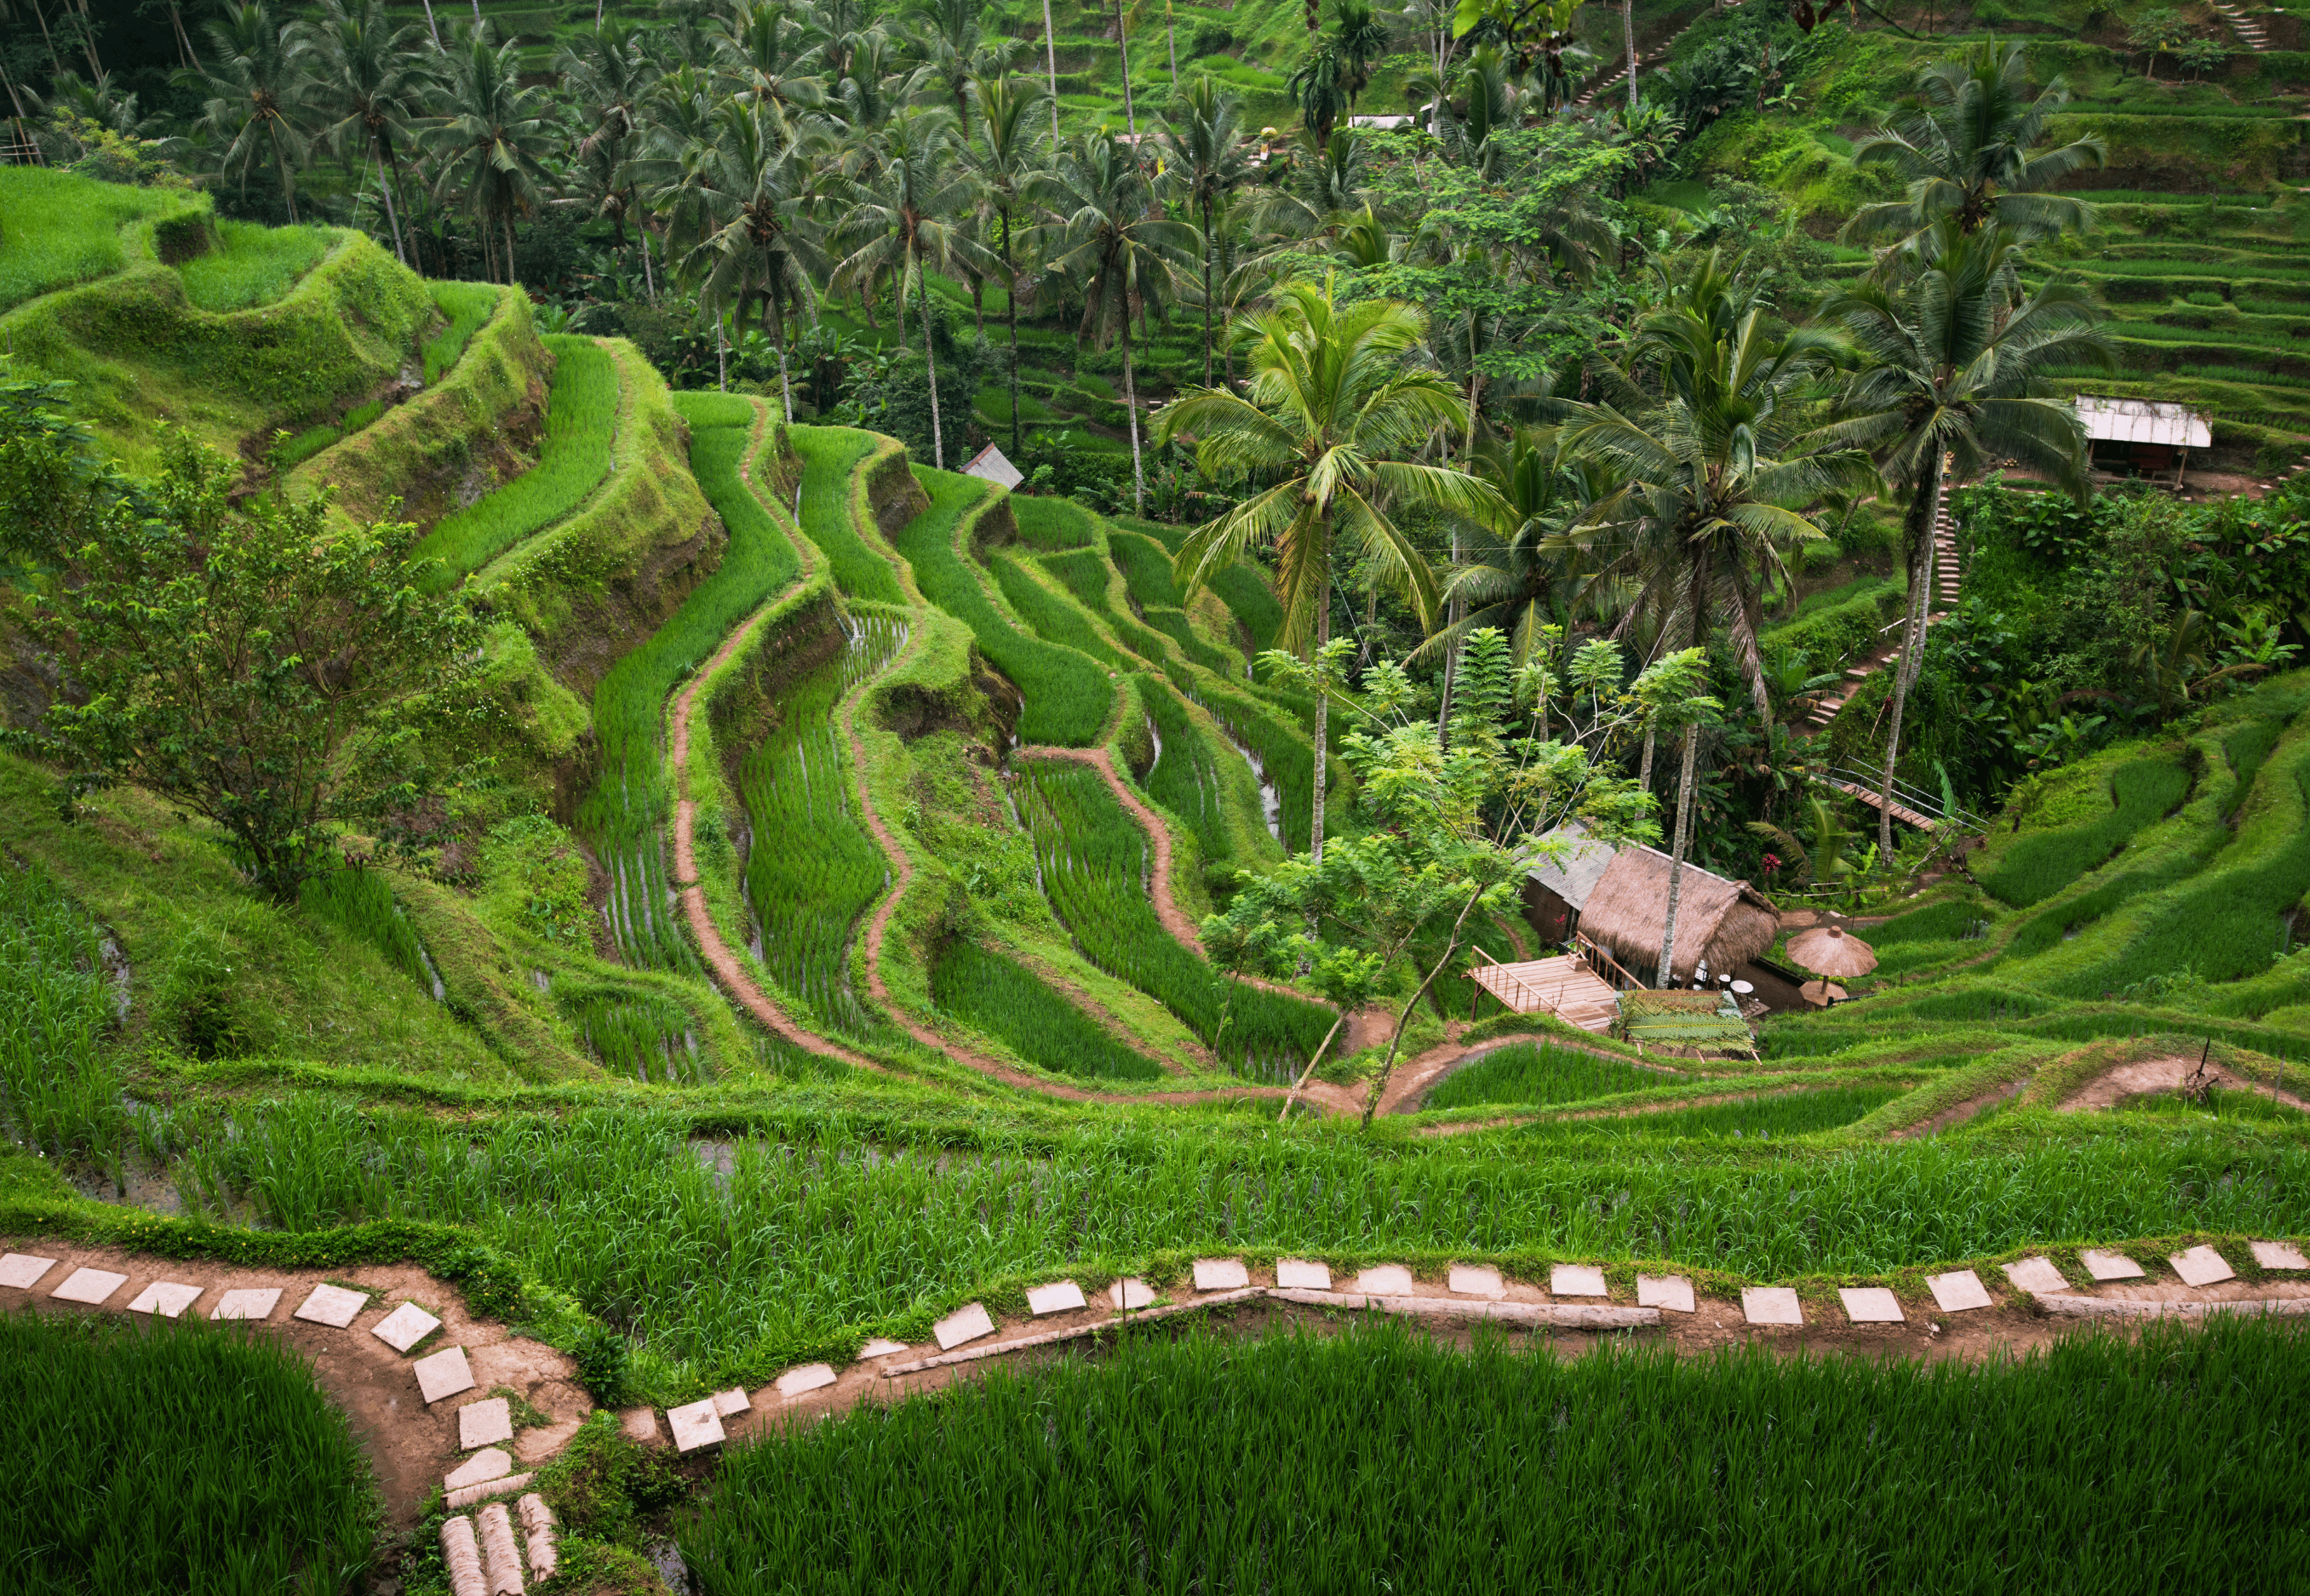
1113 237
952 45
1005 160
494 140
256 94
908 221
372 78
1330 428
749 186
1670 693
1950 380
1208 163
1975 151
1711 467
1514 577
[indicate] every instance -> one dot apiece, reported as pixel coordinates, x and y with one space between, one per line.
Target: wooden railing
1603 963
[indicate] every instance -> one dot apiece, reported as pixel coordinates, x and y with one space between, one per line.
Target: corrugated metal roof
2143 420
990 463
1582 866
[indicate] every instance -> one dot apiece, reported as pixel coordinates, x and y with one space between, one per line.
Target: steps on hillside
1594 91
1874 799
2244 26
1563 985
1945 582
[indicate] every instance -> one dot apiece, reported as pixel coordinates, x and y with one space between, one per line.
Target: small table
1743 988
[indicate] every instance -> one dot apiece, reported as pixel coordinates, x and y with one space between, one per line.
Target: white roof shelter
2143 422
1583 865
990 464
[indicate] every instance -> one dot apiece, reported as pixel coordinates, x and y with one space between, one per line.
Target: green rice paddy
58 229
997 995
252 265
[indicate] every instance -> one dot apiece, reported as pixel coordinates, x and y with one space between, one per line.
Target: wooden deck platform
1563 985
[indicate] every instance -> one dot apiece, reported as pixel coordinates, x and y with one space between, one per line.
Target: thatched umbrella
1827 950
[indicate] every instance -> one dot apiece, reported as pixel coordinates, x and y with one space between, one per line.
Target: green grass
634 1032
468 306
1052 523
581 425
811 869
2042 863
995 996
1094 863
1786 1113
1068 696
1536 1072
173 1455
1278 753
311 441
830 456
1053 618
1146 569
57 228
59 1086
1184 779
361 901
1377 1459
253 265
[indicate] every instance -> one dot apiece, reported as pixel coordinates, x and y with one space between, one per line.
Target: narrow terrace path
1945 584
729 971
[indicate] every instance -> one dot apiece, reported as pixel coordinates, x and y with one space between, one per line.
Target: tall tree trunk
1924 511
1130 416
1628 43
1171 37
930 361
508 221
55 62
1323 712
391 220
1207 290
1010 308
1123 49
431 26
1050 62
1676 855
721 358
88 42
649 280
477 16
288 183
777 335
1645 770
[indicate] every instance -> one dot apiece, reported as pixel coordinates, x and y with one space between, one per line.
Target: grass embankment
62 229
173 1455
1068 697
1377 1458
251 264
831 458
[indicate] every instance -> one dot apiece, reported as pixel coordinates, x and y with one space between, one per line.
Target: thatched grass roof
1725 922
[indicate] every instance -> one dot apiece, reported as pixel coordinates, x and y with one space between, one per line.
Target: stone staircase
2242 25
1945 581
1596 91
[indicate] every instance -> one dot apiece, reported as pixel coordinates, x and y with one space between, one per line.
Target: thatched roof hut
1725 922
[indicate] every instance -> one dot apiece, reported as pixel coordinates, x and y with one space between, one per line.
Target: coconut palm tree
1112 235
1712 464
750 187
1975 151
1208 163
493 139
1329 432
1951 380
910 219
256 94
1006 156
1510 576
372 78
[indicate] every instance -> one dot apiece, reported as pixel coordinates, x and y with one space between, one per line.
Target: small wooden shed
2145 435
1722 923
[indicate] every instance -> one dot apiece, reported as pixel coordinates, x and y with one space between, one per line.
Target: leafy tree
1976 150
255 95
1329 432
1950 375
248 662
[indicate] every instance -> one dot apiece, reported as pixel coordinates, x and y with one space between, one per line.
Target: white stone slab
1575 1279
1060 1297
1466 1281
165 1298
2035 1276
2108 1266
2278 1254
801 1382
405 1327
333 1306
1871 1304
2201 1266
1959 1292
965 1324
1385 1279
490 1462
1672 1292
1771 1305
880 1348
694 1426
1297 1274
250 1302
484 1424
1221 1274
732 1402
90 1286
446 1373
1131 1294
23 1270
